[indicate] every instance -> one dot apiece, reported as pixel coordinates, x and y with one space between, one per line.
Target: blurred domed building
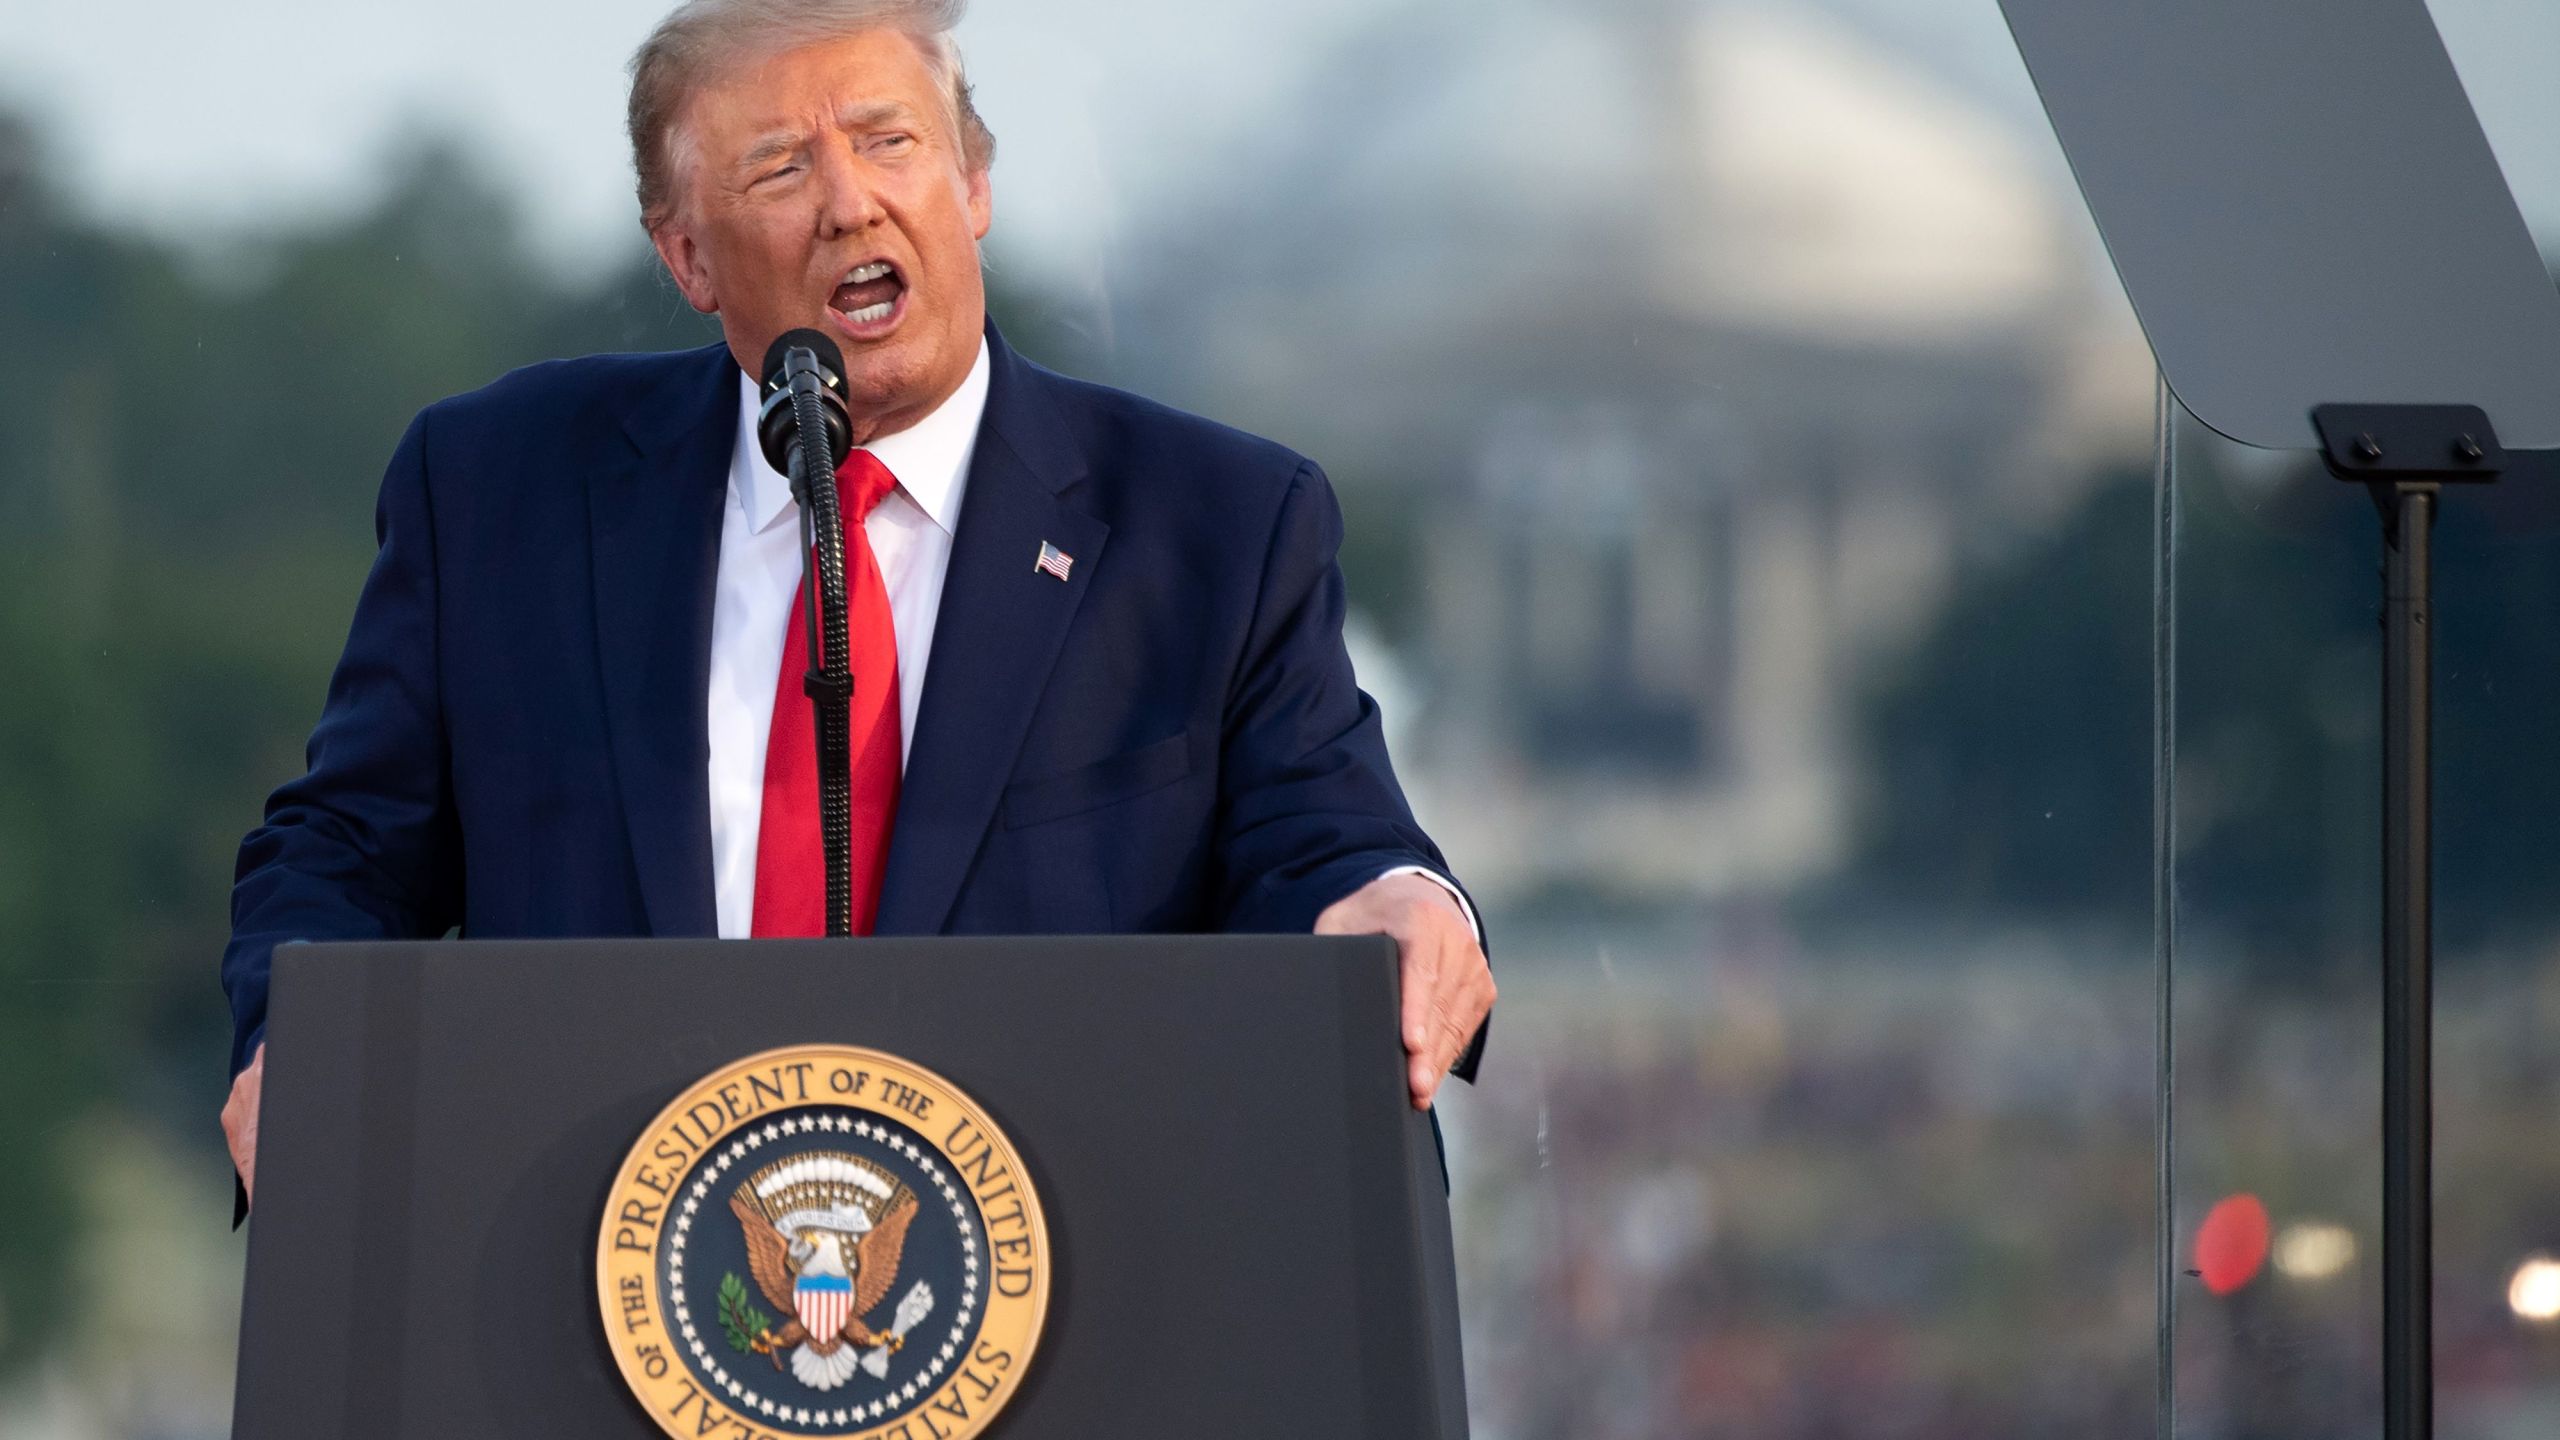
1688 345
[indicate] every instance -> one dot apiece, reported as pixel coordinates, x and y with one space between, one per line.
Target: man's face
826 188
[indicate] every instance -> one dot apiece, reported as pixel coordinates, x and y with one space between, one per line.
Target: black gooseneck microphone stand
803 418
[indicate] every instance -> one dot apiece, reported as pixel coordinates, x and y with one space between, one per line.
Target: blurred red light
2232 1243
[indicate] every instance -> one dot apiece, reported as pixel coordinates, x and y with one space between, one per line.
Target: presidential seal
823 1240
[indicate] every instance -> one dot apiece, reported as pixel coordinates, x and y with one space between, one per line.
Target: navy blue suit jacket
514 740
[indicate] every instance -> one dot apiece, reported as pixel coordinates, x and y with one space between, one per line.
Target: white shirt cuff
1445 883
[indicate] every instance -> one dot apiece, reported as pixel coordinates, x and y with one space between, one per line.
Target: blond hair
701 38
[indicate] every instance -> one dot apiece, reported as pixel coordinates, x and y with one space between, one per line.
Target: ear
982 205
684 260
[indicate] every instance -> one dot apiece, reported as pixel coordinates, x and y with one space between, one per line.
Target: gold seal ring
823 1240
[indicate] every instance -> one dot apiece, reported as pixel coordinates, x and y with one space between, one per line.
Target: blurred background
1747 453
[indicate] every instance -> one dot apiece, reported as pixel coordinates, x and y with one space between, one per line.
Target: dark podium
1247 1228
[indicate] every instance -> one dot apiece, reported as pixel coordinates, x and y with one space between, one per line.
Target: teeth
869 313
873 271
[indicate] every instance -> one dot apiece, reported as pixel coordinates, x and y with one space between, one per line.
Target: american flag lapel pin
1053 561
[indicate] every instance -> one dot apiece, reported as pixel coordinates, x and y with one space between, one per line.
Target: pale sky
183 115
190 117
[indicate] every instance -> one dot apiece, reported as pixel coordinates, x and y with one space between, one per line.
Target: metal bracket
2368 443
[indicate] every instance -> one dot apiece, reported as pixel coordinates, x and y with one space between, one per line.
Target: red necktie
791 862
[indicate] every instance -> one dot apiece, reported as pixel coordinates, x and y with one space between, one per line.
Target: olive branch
747 1327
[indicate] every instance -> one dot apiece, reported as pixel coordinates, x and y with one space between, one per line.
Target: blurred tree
2011 744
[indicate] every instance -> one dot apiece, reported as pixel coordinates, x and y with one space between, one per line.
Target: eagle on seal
825 1232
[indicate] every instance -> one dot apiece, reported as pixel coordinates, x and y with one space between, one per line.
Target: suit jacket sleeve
363 846
1309 805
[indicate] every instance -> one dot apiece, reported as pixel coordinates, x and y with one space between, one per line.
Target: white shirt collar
930 458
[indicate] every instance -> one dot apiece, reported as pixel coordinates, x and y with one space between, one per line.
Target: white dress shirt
759 573
910 533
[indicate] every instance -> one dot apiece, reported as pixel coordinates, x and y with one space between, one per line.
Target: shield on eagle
824 1303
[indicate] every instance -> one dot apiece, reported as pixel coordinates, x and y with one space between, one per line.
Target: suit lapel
994 642
654 517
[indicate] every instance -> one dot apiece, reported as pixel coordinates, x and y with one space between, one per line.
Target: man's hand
1448 987
240 1119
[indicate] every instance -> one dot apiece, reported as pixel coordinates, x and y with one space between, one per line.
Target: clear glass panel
2279 1011
2278 1015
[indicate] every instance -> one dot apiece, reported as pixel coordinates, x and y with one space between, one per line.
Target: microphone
797 363
803 428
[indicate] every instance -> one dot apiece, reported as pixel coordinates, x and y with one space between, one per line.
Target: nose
851 193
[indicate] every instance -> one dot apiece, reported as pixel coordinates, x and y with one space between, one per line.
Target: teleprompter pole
2403 455
2409 512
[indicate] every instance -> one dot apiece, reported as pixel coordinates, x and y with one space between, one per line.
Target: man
1100 677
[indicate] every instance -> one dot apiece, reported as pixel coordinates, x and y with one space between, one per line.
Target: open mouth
869 296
